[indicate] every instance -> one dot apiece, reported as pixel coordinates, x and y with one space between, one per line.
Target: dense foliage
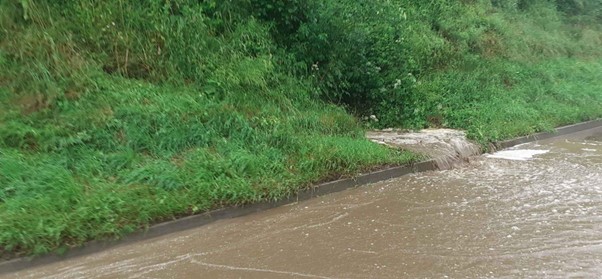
117 114
387 57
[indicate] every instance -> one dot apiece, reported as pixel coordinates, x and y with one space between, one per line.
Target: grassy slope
86 154
534 70
133 154
497 72
110 122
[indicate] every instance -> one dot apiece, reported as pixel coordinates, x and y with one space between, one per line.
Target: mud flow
532 211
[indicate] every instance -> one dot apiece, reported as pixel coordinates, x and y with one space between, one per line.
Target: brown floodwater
535 211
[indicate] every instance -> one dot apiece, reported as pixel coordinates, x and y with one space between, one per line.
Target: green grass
527 72
501 100
132 154
474 65
115 115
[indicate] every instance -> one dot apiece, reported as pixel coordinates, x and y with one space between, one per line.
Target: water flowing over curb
451 151
448 148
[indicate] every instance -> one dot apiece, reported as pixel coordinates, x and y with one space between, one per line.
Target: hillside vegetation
118 114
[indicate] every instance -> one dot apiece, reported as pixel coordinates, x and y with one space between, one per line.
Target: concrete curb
562 131
212 216
232 212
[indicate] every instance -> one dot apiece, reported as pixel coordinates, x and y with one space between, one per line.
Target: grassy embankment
118 114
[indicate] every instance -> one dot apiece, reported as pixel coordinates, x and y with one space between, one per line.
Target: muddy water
530 213
447 147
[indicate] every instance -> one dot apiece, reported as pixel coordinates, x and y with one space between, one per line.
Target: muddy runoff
532 211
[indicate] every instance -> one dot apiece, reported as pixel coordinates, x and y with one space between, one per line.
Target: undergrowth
472 65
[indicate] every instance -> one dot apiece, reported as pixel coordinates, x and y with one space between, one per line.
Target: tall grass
419 63
133 153
116 115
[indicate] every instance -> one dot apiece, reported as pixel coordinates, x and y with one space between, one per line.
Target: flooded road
532 212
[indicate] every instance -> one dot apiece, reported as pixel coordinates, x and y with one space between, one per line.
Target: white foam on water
517 155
